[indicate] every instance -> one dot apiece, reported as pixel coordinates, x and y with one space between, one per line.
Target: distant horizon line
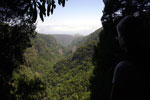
67 33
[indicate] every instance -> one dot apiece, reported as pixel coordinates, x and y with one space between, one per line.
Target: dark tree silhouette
17 18
10 9
108 53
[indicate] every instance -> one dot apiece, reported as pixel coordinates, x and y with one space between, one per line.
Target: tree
10 9
17 25
108 53
13 42
27 85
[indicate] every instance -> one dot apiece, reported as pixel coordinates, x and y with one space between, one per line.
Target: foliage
72 75
31 83
17 18
27 85
13 42
63 78
92 36
79 41
16 29
45 52
76 41
108 53
14 8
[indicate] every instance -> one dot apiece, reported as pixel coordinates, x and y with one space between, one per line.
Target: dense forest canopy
61 76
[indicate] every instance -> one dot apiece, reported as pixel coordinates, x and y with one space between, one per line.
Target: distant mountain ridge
65 39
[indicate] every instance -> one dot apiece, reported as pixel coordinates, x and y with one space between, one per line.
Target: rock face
74 48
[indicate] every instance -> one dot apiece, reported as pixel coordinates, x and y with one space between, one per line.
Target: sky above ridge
77 17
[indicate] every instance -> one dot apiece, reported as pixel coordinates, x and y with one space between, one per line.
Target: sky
77 17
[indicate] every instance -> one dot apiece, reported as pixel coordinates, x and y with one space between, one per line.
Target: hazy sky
77 17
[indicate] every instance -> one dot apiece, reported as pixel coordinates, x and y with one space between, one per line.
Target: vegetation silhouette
108 52
17 25
13 42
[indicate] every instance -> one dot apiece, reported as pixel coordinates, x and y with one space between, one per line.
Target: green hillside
65 39
62 77
74 72
77 42
45 48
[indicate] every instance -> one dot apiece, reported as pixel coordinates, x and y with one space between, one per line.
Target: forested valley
36 66
56 72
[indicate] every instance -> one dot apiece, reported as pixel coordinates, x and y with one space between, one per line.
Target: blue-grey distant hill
65 39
